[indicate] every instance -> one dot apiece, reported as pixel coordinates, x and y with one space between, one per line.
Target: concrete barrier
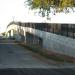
56 43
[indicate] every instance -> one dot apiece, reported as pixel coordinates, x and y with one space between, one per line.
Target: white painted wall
11 27
12 33
53 42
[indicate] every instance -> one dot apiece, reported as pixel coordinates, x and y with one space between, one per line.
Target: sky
10 9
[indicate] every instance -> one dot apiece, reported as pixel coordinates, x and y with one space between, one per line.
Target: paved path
16 60
15 56
28 71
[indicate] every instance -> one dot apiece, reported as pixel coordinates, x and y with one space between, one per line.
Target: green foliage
45 6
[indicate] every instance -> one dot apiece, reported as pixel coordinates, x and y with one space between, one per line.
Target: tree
46 6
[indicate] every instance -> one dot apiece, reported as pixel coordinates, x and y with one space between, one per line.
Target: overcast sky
16 8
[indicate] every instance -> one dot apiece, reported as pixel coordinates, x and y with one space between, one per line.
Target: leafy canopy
46 6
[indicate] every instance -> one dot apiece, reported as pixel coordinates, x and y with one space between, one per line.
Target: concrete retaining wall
56 43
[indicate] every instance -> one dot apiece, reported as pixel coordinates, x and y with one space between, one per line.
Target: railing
67 30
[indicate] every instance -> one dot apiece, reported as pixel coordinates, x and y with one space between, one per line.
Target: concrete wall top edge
18 23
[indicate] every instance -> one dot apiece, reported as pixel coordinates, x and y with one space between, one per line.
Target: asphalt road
16 60
13 55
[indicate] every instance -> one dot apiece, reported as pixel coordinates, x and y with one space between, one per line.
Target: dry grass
48 54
